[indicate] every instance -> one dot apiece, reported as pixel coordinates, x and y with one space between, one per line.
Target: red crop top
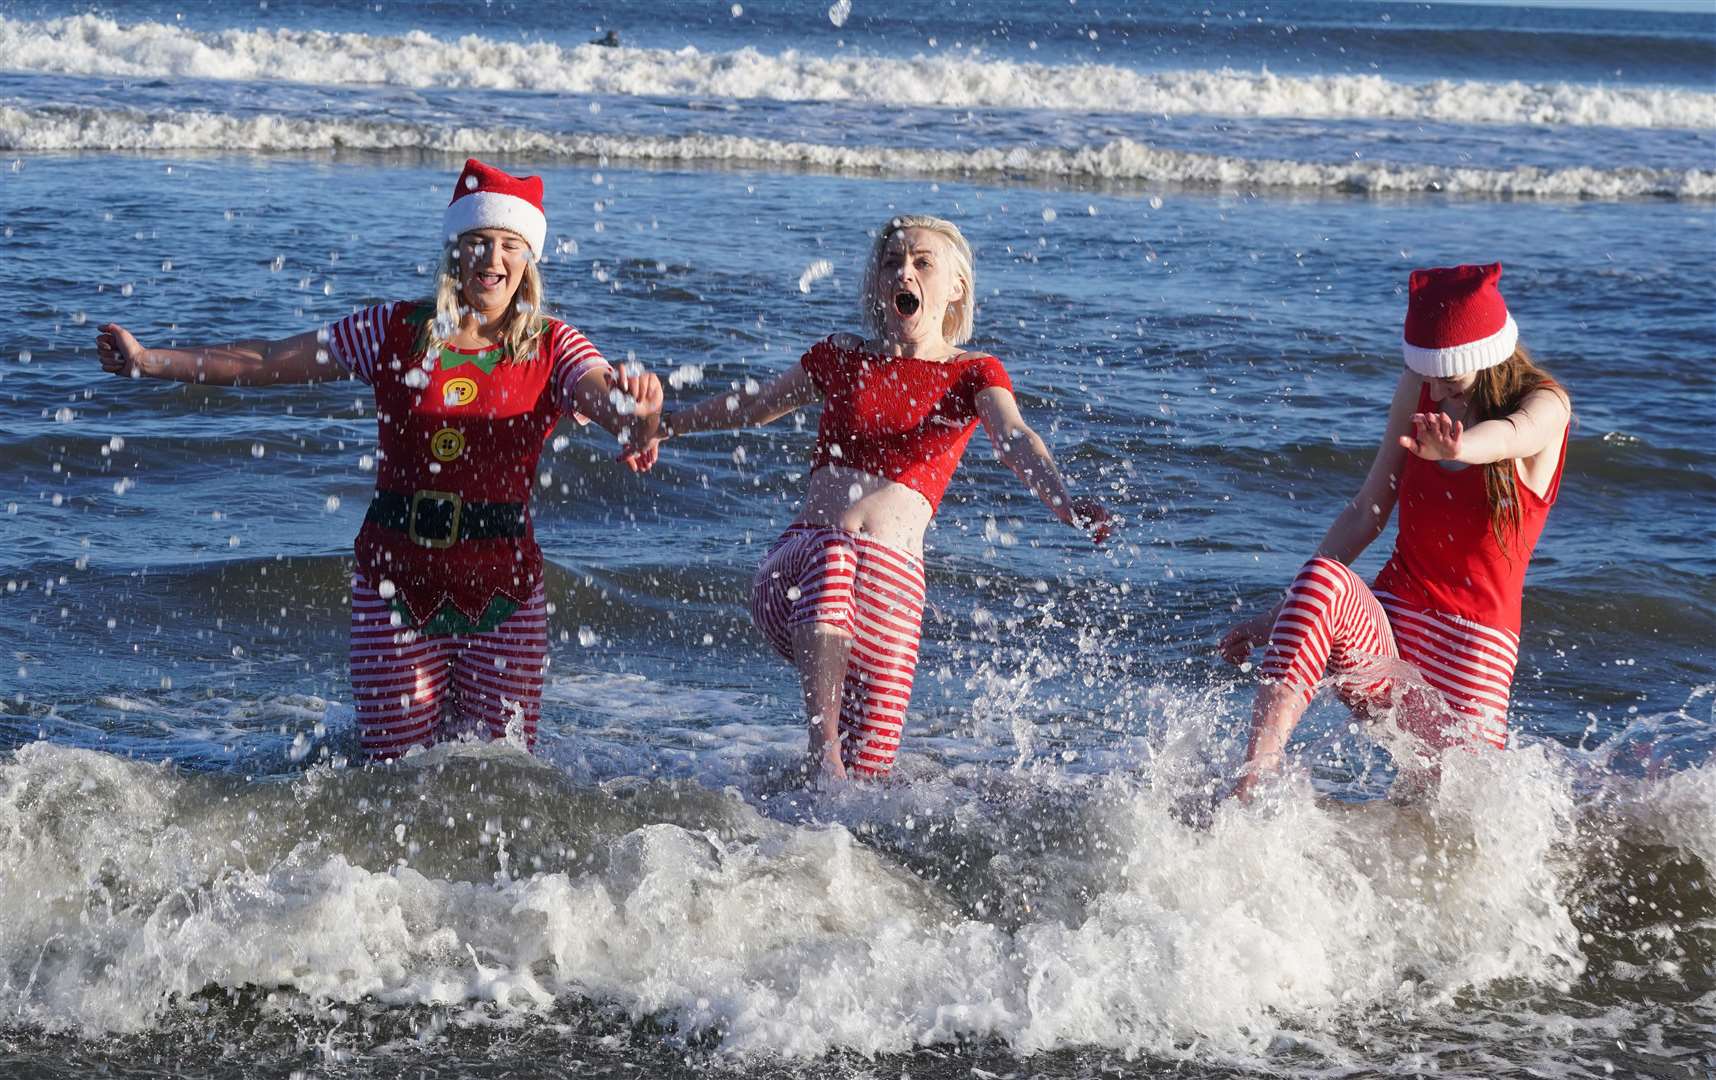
898 417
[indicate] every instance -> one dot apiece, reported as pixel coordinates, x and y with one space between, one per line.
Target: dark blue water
1201 313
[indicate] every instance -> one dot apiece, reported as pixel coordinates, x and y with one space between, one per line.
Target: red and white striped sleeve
355 341
573 357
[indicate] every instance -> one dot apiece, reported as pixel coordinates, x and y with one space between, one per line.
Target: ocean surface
1193 228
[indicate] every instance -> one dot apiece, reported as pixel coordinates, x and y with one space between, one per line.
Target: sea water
1192 228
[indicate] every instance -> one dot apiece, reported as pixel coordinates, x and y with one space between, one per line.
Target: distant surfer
609 40
1473 452
840 594
448 610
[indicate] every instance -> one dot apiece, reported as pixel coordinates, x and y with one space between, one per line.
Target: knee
825 630
1325 567
1323 576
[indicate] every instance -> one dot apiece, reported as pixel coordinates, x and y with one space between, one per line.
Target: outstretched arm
1024 451
1524 433
302 358
792 389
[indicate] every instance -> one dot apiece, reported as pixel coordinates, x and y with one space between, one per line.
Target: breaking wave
92 45
1121 159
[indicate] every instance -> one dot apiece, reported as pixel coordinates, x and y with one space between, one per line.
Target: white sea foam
78 128
95 45
124 884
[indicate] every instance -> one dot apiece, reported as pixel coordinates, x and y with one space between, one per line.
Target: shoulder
831 350
985 370
412 313
557 331
385 313
567 343
1549 395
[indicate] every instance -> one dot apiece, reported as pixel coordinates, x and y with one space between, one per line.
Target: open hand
1435 436
1093 518
119 352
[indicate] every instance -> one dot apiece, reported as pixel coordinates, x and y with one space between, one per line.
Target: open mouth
907 303
490 281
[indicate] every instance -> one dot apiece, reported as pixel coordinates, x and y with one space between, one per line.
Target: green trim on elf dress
486 361
450 620
422 314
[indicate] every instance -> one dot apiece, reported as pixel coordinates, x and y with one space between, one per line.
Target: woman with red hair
1472 454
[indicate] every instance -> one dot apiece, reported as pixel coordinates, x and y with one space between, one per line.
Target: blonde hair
523 320
956 325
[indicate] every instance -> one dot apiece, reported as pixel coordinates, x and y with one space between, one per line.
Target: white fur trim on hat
1463 359
494 210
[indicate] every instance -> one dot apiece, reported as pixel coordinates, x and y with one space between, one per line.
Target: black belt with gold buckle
440 519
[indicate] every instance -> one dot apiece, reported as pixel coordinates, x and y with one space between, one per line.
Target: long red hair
1497 393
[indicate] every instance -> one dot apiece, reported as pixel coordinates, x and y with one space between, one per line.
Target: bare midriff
883 510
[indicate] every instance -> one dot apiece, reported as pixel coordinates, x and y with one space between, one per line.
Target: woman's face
491 268
917 283
1453 389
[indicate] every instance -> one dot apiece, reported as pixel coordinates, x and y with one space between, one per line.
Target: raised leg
1330 624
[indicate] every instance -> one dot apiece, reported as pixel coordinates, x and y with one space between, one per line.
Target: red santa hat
486 198
1457 322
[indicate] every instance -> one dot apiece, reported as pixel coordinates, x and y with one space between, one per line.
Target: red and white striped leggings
869 592
400 678
1331 623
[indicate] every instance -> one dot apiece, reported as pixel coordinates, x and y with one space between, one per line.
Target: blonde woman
449 626
840 595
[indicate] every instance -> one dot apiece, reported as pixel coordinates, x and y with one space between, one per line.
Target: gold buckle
452 536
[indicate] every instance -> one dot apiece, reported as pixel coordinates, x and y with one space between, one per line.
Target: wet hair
520 326
1496 394
956 325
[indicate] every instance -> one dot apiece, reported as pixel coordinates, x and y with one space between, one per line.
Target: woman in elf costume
449 627
1475 442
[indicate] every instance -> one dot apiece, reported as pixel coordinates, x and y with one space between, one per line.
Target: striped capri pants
869 592
412 690
1331 624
